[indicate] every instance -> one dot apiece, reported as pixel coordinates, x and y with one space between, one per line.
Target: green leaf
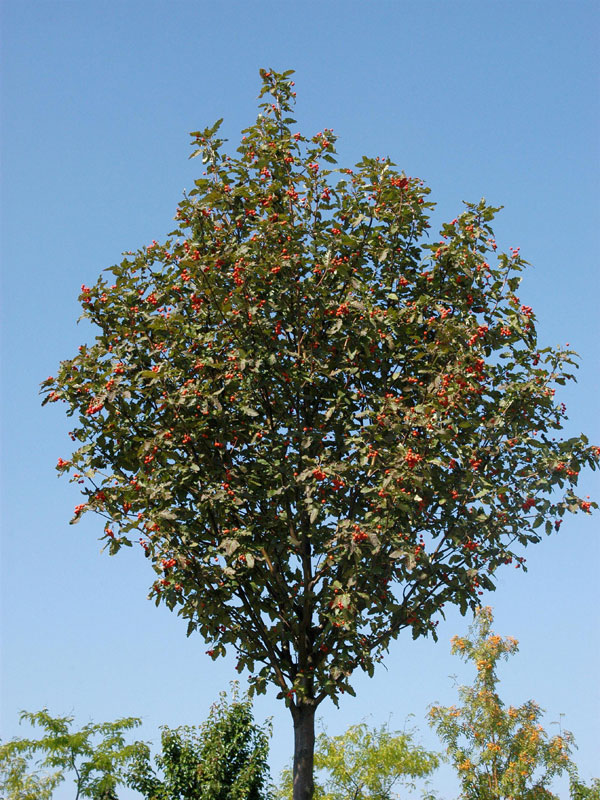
303 409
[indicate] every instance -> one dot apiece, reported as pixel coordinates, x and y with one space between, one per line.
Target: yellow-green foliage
365 764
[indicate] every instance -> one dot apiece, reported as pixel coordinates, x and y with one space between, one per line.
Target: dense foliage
225 759
366 763
320 425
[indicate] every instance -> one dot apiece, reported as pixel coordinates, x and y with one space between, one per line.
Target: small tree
366 764
19 781
226 759
579 791
320 427
499 753
97 755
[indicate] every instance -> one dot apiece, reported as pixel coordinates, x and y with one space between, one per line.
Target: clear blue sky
494 99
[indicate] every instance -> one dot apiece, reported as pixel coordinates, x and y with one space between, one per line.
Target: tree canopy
97 756
500 752
320 425
224 759
366 763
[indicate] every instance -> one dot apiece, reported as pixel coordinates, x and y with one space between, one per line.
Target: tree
579 791
19 782
225 760
321 427
366 764
500 753
97 754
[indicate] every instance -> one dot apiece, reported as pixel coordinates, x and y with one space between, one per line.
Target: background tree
580 791
97 755
366 763
19 781
499 753
320 427
226 759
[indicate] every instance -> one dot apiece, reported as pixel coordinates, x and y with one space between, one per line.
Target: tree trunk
304 750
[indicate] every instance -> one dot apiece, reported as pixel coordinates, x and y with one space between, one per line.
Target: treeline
499 752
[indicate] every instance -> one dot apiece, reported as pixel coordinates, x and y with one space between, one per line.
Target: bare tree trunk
304 750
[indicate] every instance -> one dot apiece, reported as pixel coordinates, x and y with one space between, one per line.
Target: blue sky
478 99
